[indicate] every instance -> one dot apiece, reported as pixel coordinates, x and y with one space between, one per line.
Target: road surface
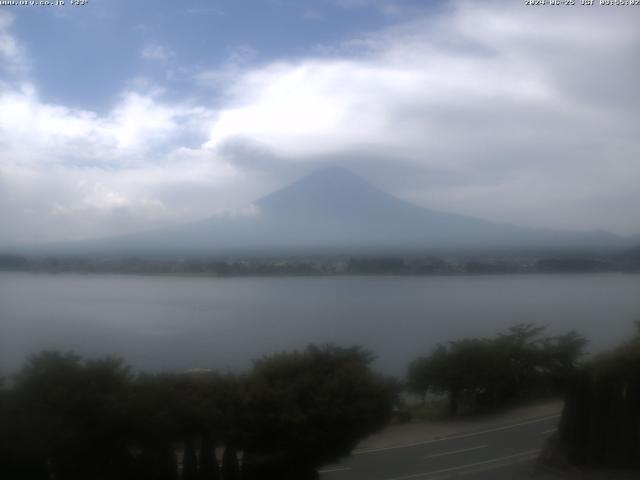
499 453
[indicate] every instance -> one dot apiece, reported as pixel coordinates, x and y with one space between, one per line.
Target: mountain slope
333 209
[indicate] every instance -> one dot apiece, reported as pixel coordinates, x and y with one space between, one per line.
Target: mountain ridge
335 209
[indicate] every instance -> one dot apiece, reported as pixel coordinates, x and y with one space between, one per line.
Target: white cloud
535 96
532 112
235 65
139 126
387 7
57 202
68 173
157 53
13 58
140 123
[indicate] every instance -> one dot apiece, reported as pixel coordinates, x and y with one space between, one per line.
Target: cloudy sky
123 115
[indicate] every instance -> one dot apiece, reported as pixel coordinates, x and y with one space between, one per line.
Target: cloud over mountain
333 210
522 115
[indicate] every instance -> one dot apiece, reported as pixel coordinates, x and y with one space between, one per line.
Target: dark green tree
209 469
521 350
69 416
600 424
230 465
311 408
560 356
490 371
189 462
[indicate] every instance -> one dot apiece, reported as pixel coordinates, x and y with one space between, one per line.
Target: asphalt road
500 453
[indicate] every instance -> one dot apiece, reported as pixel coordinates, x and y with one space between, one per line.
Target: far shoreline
308 275
323 265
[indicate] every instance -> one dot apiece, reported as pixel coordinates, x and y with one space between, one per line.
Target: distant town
328 265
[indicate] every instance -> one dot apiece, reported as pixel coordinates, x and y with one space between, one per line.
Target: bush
600 425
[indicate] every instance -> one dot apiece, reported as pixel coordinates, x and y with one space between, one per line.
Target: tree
190 461
600 424
471 366
521 351
230 466
311 408
560 357
493 371
429 372
418 377
68 417
209 469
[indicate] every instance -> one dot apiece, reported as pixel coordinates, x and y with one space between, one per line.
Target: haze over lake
176 323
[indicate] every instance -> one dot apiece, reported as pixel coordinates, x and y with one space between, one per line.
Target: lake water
176 323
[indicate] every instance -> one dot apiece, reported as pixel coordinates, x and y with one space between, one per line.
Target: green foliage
493 371
312 407
427 372
190 462
69 418
230 465
600 425
208 466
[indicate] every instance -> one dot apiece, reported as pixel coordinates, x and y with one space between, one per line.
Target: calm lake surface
176 323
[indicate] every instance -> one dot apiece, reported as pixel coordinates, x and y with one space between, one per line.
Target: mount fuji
334 210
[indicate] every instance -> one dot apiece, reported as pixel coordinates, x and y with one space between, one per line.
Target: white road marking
497 465
456 437
469 465
551 430
453 452
331 470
